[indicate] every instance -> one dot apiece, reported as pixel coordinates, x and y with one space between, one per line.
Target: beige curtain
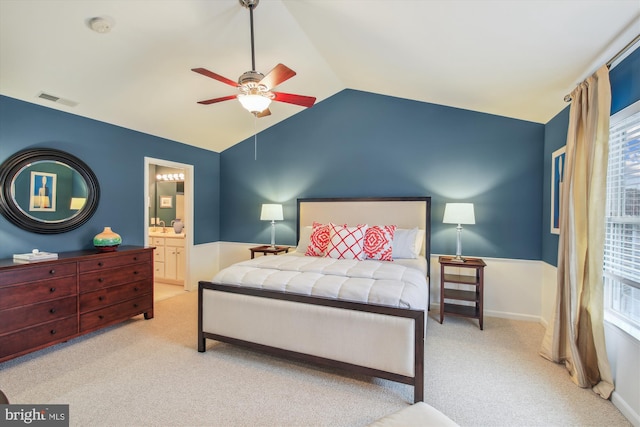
575 336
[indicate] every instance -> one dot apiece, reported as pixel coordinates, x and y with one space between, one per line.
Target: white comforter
374 282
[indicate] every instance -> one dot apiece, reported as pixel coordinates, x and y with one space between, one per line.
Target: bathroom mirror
47 191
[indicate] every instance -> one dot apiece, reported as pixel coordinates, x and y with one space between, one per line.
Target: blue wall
625 90
362 144
352 144
555 136
116 156
625 82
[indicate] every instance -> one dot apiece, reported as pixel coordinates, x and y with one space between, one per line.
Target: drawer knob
135 272
53 310
135 258
53 332
100 279
52 289
100 317
52 271
100 264
135 305
136 289
100 298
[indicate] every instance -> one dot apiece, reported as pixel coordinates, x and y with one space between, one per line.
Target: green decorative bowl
107 240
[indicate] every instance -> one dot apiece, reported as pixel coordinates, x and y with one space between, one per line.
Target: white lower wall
204 263
624 357
512 288
515 289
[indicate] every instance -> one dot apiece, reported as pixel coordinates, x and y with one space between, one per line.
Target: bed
363 316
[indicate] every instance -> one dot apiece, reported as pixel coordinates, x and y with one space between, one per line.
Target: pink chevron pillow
346 242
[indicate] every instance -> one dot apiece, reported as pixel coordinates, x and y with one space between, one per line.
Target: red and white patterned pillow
346 242
319 240
378 242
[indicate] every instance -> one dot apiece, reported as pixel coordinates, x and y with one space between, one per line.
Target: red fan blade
279 74
264 113
215 76
305 101
214 100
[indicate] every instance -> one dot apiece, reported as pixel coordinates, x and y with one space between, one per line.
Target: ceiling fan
255 90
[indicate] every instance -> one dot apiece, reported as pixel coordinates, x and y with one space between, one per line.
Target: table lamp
273 213
459 213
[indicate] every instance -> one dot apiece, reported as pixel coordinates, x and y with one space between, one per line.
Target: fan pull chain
255 137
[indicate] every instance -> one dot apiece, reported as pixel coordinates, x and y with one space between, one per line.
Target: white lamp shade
271 212
77 203
254 103
459 213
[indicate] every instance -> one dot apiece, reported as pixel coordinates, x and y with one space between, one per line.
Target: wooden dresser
48 302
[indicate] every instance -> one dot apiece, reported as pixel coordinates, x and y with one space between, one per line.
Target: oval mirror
47 191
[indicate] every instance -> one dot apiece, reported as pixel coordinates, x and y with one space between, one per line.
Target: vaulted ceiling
515 58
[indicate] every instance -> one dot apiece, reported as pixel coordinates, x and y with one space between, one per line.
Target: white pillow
305 238
407 243
419 241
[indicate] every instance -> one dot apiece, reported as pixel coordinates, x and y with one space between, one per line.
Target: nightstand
267 249
455 296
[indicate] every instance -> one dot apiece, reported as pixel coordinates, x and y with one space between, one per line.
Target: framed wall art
166 201
42 192
557 181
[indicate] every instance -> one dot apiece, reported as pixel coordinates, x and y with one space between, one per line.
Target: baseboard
513 316
625 409
500 314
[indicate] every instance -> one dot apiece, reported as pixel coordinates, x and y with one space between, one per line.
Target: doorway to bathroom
168 192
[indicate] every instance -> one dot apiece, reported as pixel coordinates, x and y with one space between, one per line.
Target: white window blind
622 241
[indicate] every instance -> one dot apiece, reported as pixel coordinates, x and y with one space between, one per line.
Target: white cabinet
169 259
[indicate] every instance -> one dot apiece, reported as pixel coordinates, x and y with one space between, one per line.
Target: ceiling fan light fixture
256 89
254 103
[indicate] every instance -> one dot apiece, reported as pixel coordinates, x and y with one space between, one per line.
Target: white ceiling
515 58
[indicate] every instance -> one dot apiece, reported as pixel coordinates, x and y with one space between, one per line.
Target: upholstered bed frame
374 340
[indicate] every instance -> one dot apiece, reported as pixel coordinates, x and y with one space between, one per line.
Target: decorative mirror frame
10 210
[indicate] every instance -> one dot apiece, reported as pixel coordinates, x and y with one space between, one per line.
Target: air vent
56 99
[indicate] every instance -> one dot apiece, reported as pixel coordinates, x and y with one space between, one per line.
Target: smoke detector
101 24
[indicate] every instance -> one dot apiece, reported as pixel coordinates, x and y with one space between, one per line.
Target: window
622 241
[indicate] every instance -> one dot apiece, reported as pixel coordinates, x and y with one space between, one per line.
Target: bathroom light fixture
459 213
170 177
273 213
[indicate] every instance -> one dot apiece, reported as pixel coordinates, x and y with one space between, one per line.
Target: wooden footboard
416 317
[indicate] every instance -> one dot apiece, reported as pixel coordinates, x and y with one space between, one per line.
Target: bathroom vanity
169 256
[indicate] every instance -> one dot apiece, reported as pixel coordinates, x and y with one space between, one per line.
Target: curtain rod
567 98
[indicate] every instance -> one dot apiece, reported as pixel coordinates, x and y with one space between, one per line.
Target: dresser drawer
115 313
14 276
38 336
45 290
118 276
114 294
115 260
24 316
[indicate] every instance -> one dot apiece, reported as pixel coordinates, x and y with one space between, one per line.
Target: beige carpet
148 373
162 291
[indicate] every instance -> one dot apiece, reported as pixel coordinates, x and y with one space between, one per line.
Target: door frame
188 209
